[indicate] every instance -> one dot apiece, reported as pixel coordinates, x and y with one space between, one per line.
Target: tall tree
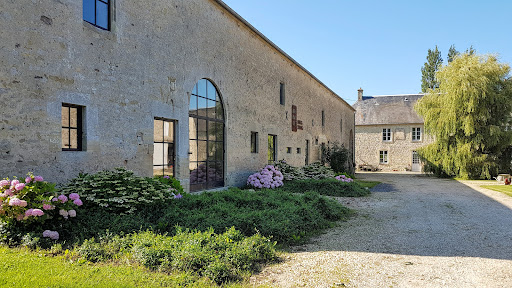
452 53
468 116
428 71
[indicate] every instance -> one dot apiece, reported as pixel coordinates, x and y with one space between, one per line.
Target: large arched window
206 135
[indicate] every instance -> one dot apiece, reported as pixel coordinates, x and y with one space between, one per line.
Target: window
298 150
272 148
71 127
383 159
164 153
416 134
341 126
254 142
281 93
289 150
386 134
97 12
323 118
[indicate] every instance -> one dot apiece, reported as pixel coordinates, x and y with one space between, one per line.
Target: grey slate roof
382 110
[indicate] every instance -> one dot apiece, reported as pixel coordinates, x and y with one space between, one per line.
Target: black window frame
282 93
109 16
174 124
254 142
79 128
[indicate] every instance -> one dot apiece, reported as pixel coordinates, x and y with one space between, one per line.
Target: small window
341 126
316 141
298 151
164 153
386 134
416 134
97 12
254 142
383 158
323 118
281 93
71 127
272 148
289 150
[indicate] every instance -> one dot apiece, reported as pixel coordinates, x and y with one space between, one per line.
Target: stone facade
144 68
384 133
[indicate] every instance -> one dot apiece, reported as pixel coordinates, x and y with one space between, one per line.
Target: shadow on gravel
426 216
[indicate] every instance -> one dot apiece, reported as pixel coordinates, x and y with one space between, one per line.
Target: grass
505 189
367 184
328 187
23 268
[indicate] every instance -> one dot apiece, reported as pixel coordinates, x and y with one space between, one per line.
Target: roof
387 109
264 38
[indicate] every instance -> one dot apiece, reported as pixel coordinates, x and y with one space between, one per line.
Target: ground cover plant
367 184
328 187
505 189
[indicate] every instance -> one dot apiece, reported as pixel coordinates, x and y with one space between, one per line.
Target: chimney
360 94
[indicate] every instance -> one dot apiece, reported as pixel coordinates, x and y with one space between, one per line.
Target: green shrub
221 257
336 156
329 187
311 171
120 191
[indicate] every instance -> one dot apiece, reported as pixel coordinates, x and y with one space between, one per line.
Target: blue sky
378 45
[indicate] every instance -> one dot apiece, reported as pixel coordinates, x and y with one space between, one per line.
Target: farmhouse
177 87
388 132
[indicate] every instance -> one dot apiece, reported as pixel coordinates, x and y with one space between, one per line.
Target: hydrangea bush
34 200
268 177
344 178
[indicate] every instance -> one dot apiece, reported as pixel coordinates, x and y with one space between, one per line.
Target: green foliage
429 69
120 191
311 171
336 156
172 182
452 53
329 187
468 116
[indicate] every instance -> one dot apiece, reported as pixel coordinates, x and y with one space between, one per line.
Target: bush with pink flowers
344 178
268 177
33 200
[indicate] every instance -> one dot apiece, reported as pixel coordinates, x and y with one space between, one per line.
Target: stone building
388 132
180 87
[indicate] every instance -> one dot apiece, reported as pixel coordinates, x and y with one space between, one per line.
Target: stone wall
369 144
146 67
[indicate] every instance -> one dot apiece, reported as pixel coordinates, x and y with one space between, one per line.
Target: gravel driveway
413 231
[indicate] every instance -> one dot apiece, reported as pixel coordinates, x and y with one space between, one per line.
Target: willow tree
468 115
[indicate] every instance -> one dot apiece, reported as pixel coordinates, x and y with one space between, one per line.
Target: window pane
201 127
212 131
219 131
168 131
219 151
201 172
73 138
158 171
65 138
201 106
158 130
201 88
192 150
201 151
218 110
88 10
73 118
192 128
158 154
102 15
65 116
169 153
193 105
211 109
211 91
193 172
194 91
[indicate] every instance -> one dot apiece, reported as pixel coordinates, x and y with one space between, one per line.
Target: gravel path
413 231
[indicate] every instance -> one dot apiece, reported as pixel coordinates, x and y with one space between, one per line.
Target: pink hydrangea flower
72 213
14 202
167 177
74 196
63 213
22 203
178 196
38 179
78 202
19 187
54 199
54 235
63 198
28 179
47 206
28 213
37 212
8 192
4 183
15 182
